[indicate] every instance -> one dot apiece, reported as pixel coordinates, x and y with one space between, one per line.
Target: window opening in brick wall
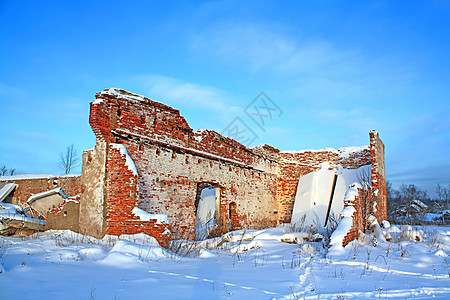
232 214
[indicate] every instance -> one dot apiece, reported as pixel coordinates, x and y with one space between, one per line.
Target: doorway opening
207 209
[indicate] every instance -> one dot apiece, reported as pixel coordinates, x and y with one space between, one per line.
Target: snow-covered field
252 264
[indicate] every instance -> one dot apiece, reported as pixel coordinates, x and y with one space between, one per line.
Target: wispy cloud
426 177
260 47
304 64
177 91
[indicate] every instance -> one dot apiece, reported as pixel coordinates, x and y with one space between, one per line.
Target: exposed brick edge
353 233
122 197
378 177
57 210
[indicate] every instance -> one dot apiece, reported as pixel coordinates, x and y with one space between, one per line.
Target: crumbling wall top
122 94
117 115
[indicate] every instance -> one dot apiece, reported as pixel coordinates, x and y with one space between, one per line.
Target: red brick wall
357 222
144 117
358 215
168 182
378 175
376 194
172 160
293 165
28 187
121 197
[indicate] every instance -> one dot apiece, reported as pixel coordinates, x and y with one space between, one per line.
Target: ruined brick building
148 169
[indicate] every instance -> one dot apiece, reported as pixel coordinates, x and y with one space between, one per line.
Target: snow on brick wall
121 112
168 185
294 164
171 160
122 197
28 185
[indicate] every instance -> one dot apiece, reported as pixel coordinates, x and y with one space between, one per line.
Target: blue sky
337 69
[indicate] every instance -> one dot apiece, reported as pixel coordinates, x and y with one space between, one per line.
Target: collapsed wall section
28 185
65 216
118 112
116 109
351 219
294 164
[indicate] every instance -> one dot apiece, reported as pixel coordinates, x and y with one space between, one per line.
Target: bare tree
69 160
443 194
367 198
4 170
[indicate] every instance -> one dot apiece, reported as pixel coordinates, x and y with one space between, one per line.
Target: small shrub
262 223
182 246
299 226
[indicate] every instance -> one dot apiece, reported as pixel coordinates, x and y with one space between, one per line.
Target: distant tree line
412 205
4 171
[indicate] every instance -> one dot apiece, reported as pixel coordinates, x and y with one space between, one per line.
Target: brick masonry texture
121 197
172 161
377 194
256 186
378 175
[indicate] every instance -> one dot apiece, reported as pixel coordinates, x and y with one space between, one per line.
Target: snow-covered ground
241 265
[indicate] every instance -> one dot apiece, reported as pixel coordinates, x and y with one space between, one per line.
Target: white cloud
173 90
305 65
258 47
